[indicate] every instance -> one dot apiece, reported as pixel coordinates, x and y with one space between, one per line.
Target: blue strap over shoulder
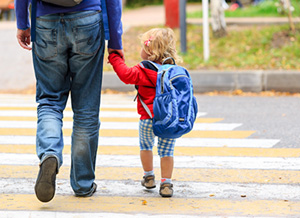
33 20
105 19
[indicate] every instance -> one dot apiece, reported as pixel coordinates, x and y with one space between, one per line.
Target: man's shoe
45 183
90 194
148 181
166 189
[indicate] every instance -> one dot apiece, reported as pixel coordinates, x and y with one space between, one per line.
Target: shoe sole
149 187
45 184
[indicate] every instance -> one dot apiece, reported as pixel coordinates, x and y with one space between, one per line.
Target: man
68 58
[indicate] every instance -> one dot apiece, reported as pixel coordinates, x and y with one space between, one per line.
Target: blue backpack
174 107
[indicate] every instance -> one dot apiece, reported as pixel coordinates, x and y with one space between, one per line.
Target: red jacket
140 75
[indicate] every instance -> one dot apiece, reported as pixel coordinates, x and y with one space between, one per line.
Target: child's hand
117 51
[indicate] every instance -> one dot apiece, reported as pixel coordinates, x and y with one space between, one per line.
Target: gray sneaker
166 189
148 181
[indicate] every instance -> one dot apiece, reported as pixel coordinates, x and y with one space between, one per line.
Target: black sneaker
148 181
45 183
166 189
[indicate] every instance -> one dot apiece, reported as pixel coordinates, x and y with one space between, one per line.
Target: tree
288 7
218 18
285 7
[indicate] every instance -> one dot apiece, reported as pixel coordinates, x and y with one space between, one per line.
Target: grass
244 48
267 8
250 48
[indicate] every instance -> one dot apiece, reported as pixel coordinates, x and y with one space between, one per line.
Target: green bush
267 8
140 3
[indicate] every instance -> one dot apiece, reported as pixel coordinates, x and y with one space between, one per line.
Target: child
157 45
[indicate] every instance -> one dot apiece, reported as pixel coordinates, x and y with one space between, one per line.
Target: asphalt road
270 117
228 166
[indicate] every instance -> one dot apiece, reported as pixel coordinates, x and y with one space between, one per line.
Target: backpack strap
105 19
156 66
145 107
169 59
142 102
33 20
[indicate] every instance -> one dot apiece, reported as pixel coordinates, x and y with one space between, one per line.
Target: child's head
159 44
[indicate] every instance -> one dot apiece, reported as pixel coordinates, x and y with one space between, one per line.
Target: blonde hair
159 44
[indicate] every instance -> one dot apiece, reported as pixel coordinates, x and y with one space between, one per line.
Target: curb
208 81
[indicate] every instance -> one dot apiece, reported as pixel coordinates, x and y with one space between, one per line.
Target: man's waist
46 9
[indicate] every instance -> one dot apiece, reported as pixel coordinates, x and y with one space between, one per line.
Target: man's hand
120 52
23 37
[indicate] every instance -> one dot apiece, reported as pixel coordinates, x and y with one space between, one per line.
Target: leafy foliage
139 3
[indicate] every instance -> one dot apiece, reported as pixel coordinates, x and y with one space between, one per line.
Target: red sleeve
132 75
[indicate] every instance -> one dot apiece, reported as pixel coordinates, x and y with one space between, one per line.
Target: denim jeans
68 58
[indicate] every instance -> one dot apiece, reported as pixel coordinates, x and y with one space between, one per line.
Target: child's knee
146 146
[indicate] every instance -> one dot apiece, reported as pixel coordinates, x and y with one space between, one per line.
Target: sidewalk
143 14
17 71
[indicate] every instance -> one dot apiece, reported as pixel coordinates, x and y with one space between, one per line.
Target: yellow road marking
107 119
134 133
158 205
180 151
179 174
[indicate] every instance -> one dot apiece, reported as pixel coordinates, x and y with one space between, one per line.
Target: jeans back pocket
88 38
46 43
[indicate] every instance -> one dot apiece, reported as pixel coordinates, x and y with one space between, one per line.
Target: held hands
116 51
23 37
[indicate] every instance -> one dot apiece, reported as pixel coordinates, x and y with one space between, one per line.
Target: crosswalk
219 171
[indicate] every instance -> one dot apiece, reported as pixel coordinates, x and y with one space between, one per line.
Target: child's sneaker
166 189
148 181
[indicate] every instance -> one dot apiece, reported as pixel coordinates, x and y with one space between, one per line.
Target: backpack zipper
162 82
175 77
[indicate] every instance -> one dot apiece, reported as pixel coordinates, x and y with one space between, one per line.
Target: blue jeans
68 58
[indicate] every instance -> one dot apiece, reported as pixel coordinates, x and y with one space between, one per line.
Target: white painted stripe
132 188
118 105
120 125
67 114
17 105
47 214
132 141
214 162
22 113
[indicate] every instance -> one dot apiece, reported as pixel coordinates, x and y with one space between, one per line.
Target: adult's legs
52 89
86 65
